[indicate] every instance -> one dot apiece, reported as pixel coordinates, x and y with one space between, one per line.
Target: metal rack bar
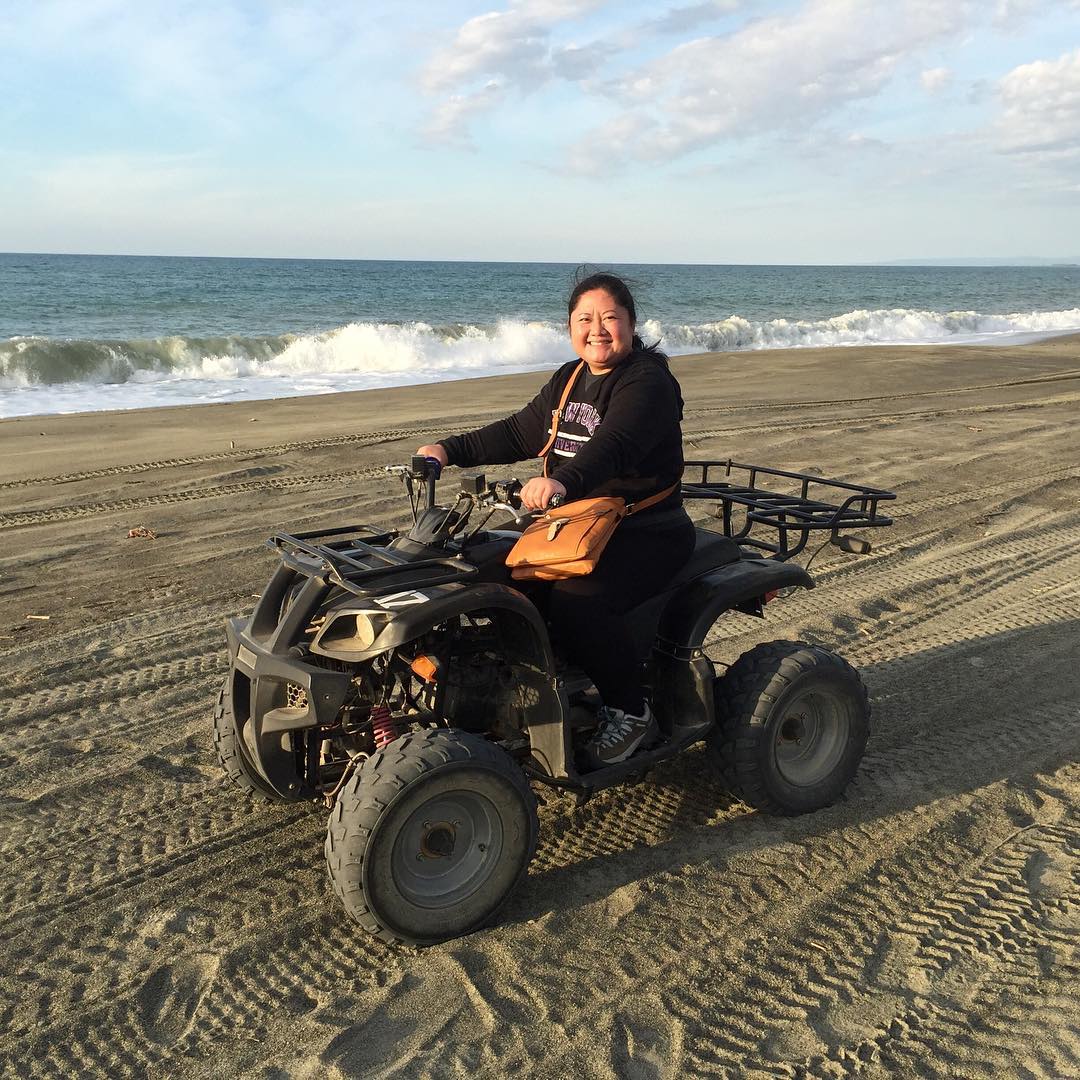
353 575
793 514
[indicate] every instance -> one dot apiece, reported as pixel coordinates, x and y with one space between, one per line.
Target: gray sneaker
619 735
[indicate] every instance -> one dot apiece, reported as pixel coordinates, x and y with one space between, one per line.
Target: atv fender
261 709
696 606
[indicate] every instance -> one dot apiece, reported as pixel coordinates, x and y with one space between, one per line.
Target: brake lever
519 514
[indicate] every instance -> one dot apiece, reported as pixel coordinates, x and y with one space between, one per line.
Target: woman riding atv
407 682
618 434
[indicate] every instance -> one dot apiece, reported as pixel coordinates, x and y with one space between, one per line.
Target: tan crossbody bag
569 540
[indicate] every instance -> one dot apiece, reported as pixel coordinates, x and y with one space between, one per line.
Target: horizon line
912 262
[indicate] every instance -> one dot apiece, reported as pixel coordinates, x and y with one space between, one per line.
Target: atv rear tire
430 836
230 753
792 724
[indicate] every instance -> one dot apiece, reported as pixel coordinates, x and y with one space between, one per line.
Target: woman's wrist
436 451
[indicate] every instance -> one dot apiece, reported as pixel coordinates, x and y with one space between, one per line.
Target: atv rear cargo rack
356 558
816 503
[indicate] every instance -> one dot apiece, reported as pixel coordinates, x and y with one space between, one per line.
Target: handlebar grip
556 500
436 466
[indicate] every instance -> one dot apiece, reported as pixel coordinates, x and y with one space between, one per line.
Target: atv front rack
355 557
814 503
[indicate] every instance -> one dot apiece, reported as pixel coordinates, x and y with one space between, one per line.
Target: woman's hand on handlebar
435 451
539 491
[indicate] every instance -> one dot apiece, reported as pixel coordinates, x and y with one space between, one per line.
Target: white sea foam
896 326
39 375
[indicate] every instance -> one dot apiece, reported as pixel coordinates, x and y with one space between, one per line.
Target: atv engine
478 690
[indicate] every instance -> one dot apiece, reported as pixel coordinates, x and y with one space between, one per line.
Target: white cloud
510 49
781 73
786 73
513 46
449 122
934 80
679 20
1041 109
1008 13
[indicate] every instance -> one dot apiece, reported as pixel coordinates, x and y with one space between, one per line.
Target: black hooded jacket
619 433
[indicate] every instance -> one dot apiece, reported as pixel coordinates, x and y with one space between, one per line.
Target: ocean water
88 332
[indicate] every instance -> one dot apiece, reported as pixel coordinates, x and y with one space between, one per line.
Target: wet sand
157 923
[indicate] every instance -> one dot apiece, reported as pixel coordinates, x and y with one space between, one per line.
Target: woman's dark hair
622 296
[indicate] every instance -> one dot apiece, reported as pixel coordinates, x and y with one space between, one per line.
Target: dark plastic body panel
524 638
257 682
697 605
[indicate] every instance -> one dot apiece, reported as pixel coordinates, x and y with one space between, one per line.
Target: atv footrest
598 779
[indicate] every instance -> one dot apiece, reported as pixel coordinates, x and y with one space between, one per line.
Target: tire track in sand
396 434
911 594
66 513
246 987
108 683
281 969
219 491
371 438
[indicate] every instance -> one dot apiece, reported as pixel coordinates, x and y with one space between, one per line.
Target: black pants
587 613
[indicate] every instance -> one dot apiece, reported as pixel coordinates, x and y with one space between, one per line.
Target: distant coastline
1018 260
969 261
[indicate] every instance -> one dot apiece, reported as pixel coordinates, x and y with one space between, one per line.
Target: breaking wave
39 375
896 326
386 353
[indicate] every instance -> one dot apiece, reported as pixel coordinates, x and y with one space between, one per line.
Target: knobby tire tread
374 786
744 696
229 756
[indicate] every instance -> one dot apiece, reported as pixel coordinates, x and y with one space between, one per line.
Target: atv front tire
792 724
230 753
430 836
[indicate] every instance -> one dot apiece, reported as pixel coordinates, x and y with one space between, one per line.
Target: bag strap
556 414
642 504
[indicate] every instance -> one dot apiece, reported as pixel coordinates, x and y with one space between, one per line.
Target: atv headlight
353 631
366 630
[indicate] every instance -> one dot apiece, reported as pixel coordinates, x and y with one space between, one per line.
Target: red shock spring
383 726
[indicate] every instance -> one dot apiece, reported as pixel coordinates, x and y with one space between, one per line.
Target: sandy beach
158 923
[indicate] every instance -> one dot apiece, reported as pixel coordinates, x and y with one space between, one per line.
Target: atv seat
711 549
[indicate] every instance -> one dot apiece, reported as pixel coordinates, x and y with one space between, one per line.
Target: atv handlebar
475 493
509 499
505 495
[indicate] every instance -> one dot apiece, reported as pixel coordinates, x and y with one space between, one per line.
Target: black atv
411 684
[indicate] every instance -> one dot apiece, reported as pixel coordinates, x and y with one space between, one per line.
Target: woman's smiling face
600 330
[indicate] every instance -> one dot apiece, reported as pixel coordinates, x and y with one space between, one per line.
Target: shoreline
972 349
51 444
1006 340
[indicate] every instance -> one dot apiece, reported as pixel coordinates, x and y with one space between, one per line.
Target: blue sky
725 131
